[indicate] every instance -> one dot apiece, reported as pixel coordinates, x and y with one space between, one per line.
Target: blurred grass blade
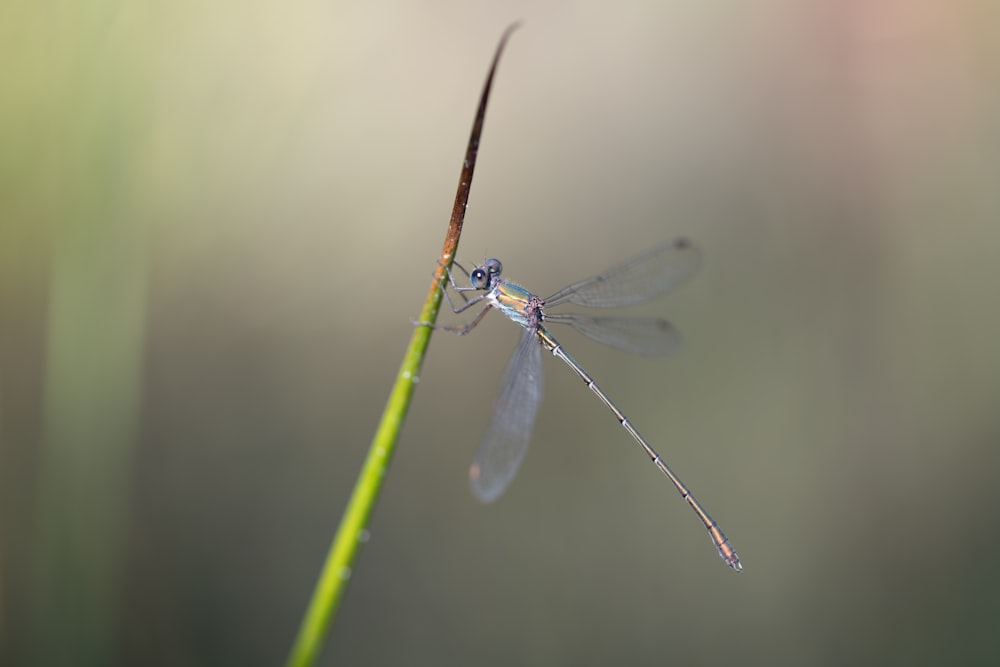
76 127
353 526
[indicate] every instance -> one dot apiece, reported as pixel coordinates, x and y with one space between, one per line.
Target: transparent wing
646 337
647 276
509 432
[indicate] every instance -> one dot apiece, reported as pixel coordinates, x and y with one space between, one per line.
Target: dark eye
493 266
480 279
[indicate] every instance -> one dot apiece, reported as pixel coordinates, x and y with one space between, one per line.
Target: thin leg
461 331
465 306
462 268
461 292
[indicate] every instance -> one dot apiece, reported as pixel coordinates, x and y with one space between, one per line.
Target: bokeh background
217 220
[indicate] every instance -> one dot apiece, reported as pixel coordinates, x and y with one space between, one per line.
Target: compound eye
480 279
493 266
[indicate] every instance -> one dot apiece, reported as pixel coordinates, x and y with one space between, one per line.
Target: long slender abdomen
719 539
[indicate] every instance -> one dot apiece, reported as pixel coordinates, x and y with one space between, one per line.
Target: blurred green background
218 218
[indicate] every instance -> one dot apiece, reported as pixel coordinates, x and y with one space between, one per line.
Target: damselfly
649 275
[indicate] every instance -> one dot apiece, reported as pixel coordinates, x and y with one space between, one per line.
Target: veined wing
507 437
647 337
647 276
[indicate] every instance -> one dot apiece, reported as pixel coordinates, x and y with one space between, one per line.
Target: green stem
353 526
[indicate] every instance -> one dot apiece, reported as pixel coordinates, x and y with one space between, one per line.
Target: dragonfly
642 278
